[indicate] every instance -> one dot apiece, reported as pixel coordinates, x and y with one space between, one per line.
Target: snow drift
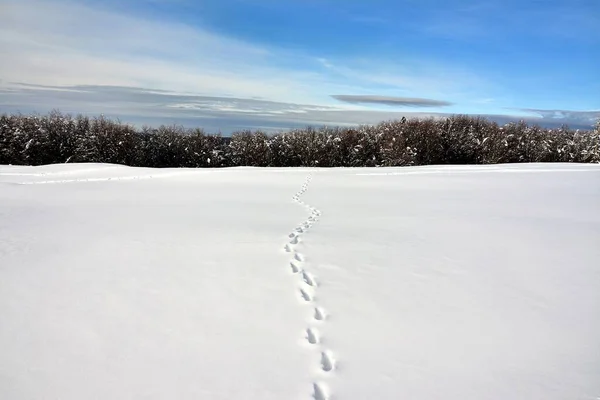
351 284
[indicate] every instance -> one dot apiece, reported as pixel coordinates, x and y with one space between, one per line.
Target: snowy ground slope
416 283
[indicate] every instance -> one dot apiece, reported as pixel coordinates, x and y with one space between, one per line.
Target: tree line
62 138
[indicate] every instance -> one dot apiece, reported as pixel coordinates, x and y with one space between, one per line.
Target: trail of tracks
54 173
107 179
307 290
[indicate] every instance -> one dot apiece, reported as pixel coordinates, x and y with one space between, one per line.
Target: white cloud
225 114
60 42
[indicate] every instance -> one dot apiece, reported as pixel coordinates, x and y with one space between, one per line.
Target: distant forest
59 138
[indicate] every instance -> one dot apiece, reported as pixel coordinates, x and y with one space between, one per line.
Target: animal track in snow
319 314
305 296
106 179
295 268
319 392
55 173
308 286
311 336
308 279
327 362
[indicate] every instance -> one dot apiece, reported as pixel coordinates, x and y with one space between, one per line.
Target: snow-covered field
426 283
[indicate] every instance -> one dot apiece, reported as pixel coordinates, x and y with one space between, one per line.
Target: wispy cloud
428 78
391 101
214 113
63 42
572 116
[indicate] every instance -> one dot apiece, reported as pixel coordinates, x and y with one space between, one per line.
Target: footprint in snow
327 362
294 268
319 314
319 392
309 280
311 336
305 296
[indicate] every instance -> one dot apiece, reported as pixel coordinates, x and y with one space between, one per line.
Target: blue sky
300 62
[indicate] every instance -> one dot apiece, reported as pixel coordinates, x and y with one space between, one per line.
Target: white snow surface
426 283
